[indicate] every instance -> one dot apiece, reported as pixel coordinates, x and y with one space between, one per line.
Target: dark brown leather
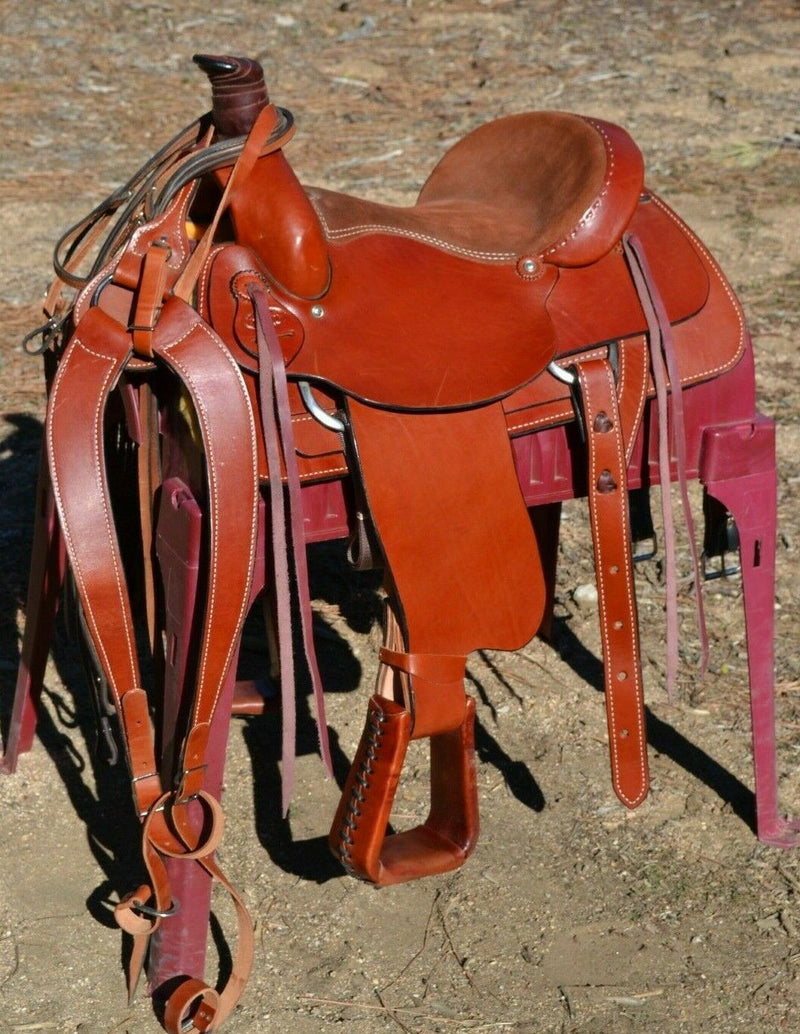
238 91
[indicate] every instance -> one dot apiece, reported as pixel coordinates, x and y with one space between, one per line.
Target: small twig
342 1003
791 880
123 1023
635 999
391 1013
8 976
419 951
461 962
339 1002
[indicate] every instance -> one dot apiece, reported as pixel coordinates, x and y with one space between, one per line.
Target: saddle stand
293 365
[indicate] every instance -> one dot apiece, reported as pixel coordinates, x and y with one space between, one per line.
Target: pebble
585 595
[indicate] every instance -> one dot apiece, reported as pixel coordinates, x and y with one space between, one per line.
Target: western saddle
258 340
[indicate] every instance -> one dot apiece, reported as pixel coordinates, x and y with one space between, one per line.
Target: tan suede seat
551 185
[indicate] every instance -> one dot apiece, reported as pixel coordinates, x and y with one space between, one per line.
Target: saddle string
78 241
132 195
671 434
279 445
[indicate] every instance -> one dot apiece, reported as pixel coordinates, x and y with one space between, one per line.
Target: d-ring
154 913
315 409
560 373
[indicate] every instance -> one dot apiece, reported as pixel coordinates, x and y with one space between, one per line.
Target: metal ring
154 913
315 409
561 374
48 331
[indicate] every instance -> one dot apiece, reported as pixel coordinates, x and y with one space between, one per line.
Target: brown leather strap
78 240
278 440
608 509
88 371
671 434
436 695
176 830
257 144
213 380
149 298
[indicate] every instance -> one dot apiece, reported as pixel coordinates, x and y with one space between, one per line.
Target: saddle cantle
256 335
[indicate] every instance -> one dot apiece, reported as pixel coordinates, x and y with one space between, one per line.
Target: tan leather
436 700
439 470
99 350
707 325
452 476
272 215
429 327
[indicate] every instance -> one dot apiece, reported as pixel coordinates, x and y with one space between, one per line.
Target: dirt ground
572 915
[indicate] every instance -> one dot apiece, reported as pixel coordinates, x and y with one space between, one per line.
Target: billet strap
610 522
278 437
671 435
89 370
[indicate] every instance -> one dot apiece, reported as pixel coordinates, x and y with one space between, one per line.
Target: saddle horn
270 210
238 91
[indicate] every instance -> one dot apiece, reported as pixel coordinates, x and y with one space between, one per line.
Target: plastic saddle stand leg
48 566
546 520
738 469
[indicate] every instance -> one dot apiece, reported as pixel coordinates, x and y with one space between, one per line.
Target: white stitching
722 367
98 425
588 215
365 228
637 673
208 442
